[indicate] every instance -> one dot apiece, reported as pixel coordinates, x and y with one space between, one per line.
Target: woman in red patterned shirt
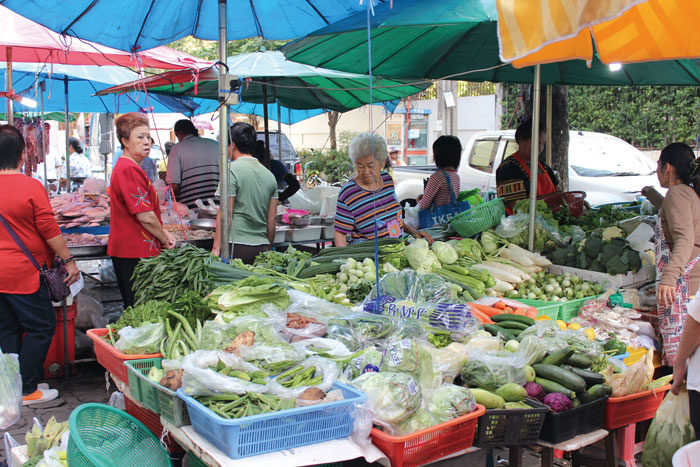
447 152
136 230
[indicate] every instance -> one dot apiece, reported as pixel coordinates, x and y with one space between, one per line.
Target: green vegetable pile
290 262
552 288
605 216
300 376
604 251
234 406
257 376
247 296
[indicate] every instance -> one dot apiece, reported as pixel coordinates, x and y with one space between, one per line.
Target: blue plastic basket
285 429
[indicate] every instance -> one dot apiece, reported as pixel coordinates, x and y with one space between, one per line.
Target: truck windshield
607 157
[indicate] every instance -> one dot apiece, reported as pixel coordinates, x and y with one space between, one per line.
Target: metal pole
42 88
279 131
66 359
549 124
535 146
65 91
223 137
267 129
10 111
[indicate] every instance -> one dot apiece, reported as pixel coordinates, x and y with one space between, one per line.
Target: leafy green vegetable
450 401
248 296
420 257
393 397
445 253
409 357
490 242
419 420
290 262
149 312
368 359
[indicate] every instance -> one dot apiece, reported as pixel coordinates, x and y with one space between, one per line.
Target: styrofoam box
280 234
645 275
305 234
328 232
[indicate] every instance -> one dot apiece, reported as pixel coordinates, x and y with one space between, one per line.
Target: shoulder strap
449 184
19 242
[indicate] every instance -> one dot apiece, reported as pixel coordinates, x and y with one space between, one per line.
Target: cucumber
600 390
508 317
558 357
575 402
579 361
590 377
561 376
551 386
487 398
513 325
584 397
496 330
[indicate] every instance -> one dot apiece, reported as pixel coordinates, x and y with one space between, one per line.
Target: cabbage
557 401
420 257
445 253
420 420
451 401
392 397
534 390
532 349
409 357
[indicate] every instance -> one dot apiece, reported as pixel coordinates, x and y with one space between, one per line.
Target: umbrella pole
279 131
549 124
65 93
265 114
10 116
42 88
533 157
223 138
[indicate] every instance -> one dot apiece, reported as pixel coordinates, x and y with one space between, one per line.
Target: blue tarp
125 23
83 82
288 116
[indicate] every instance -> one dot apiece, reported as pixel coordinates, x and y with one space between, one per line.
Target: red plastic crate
635 408
111 359
152 422
55 365
574 199
431 443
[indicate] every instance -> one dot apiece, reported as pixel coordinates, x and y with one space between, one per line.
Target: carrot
508 310
481 316
531 313
520 311
487 310
500 305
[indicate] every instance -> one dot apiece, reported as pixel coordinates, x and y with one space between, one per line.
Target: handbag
442 214
53 277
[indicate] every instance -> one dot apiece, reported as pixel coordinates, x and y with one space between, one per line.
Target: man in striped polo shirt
193 165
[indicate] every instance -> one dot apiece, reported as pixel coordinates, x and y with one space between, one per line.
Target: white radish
511 269
517 257
533 269
502 286
541 260
499 274
536 258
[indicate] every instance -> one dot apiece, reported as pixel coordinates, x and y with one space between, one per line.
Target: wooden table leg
547 457
515 456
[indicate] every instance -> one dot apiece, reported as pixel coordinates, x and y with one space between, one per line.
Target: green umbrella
457 39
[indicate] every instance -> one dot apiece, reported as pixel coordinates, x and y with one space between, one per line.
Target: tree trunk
560 127
333 117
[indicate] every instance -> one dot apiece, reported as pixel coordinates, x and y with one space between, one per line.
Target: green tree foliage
648 116
208 49
331 165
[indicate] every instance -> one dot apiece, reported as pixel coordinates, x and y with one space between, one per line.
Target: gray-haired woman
367 203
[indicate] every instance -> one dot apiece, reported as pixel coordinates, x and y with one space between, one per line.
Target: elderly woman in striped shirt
369 197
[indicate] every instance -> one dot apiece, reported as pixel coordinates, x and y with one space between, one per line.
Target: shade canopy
623 31
287 116
83 82
457 39
293 85
135 24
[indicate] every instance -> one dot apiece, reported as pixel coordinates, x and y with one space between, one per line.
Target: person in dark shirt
287 183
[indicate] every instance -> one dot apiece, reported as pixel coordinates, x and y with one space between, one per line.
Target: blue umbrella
286 116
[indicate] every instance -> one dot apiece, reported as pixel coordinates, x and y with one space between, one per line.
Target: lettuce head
392 397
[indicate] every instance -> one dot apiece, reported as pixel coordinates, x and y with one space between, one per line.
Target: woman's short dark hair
262 154
11 147
75 144
524 130
244 137
447 151
185 127
681 157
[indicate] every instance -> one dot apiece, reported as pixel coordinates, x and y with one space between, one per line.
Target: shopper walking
25 306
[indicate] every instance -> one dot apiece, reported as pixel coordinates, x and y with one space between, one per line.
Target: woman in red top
135 228
25 306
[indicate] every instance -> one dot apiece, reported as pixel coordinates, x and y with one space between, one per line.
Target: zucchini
513 325
316 269
558 357
483 276
496 330
487 398
575 402
579 361
584 397
599 391
590 377
551 386
561 376
509 317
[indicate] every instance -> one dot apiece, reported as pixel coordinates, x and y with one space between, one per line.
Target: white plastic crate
645 275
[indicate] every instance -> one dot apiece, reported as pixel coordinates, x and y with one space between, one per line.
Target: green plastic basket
102 436
544 308
172 409
141 388
479 218
193 460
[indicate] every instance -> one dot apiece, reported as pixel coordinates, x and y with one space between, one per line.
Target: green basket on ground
102 436
479 218
152 395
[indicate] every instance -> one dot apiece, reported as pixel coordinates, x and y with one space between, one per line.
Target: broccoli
592 246
610 250
596 266
583 261
558 256
614 265
631 258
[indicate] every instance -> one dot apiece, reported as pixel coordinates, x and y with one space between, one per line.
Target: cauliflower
612 232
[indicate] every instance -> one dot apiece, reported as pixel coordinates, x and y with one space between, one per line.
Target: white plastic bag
410 217
320 345
199 379
10 390
144 339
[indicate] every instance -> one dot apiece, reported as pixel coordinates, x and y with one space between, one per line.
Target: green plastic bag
669 430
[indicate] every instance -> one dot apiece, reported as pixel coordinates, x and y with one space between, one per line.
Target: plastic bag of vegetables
364 361
144 339
409 357
670 429
447 361
490 372
532 349
418 420
392 397
315 372
201 378
450 401
10 390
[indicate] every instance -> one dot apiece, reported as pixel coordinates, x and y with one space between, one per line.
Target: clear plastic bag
408 356
325 347
328 368
670 429
448 361
199 379
272 353
490 372
392 397
314 307
144 339
367 360
450 401
547 235
367 328
10 390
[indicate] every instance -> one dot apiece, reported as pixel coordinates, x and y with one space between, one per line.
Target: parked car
289 154
607 168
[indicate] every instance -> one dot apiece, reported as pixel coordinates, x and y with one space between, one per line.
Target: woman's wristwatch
68 259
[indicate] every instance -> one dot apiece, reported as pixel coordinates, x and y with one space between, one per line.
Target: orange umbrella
533 32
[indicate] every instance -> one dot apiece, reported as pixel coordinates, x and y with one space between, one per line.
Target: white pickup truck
607 168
